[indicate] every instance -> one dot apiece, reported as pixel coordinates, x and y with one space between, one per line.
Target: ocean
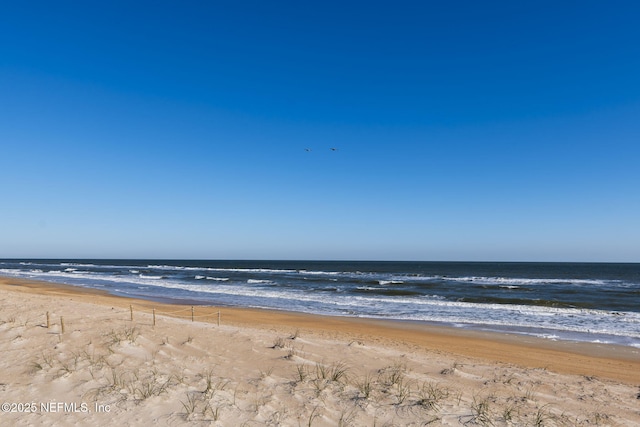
592 302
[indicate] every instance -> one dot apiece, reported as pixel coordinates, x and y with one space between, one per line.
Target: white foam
217 279
145 276
524 281
75 264
233 270
320 273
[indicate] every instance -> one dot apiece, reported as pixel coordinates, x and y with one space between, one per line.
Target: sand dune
283 369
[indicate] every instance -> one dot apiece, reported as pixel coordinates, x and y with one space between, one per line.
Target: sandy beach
113 364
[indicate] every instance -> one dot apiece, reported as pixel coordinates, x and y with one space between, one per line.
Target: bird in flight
332 149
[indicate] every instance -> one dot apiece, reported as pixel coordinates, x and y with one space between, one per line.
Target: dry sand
284 369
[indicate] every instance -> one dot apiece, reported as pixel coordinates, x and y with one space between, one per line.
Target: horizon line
309 260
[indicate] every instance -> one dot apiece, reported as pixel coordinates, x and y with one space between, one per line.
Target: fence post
62 324
218 318
131 310
154 317
192 313
48 321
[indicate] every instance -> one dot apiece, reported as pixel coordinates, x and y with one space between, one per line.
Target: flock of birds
332 149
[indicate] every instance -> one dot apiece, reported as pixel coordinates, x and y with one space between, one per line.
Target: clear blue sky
466 130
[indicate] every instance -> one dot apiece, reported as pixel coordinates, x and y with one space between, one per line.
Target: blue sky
464 130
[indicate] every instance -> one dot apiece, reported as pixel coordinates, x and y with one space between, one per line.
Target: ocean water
562 301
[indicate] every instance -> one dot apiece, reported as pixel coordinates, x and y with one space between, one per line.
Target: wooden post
131 310
154 317
48 321
62 324
218 318
192 313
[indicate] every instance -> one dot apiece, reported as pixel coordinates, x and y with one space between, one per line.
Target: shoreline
76 356
615 362
563 302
